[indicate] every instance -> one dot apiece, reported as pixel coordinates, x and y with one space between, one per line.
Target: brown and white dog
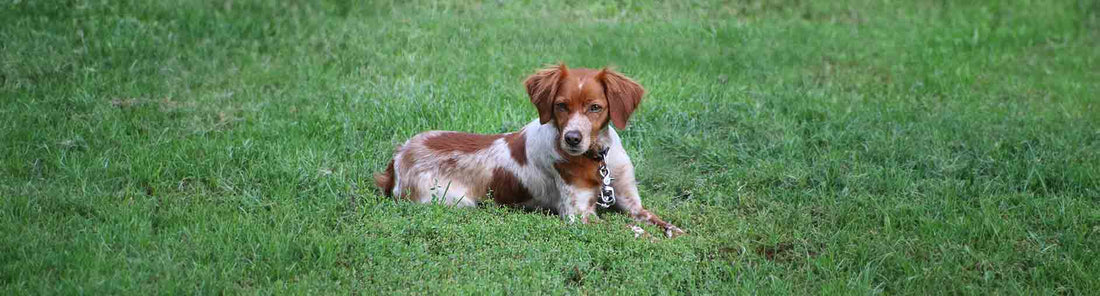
549 164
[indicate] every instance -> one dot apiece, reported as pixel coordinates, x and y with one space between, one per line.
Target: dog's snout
573 138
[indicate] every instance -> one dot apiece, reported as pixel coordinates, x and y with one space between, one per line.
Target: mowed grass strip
843 147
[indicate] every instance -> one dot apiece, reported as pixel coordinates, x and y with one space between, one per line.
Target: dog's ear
623 95
543 88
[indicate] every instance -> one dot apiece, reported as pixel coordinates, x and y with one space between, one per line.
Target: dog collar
606 192
598 155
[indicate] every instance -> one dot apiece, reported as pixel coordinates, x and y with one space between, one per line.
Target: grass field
837 147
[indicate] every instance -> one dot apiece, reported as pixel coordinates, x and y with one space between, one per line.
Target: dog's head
580 103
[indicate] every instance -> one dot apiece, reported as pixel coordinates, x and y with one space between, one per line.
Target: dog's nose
573 138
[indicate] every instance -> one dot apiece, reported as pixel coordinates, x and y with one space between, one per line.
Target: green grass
838 147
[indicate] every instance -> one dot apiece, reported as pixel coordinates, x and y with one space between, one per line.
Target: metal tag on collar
606 192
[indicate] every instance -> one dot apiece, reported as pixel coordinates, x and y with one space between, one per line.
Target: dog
553 163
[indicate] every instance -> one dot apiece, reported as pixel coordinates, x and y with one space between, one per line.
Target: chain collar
606 192
598 155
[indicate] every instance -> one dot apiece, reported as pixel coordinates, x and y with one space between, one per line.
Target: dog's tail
385 180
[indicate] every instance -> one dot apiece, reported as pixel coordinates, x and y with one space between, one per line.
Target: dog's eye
595 108
562 107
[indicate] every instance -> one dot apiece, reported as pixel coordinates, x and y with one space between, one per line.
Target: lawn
807 147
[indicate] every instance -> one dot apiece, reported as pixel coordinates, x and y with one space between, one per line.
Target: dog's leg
578 204
628 201
587 204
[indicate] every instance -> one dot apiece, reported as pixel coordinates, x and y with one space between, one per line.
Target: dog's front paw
569 219
638 231
672 231
590 218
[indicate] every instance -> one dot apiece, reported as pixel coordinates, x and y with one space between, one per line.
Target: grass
847 147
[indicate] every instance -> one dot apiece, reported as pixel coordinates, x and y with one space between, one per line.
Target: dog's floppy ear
623 95
543 88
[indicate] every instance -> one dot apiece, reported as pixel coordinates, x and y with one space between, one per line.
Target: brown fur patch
385 180
517 144
623 95
506 188
542 87
579 171
460 142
